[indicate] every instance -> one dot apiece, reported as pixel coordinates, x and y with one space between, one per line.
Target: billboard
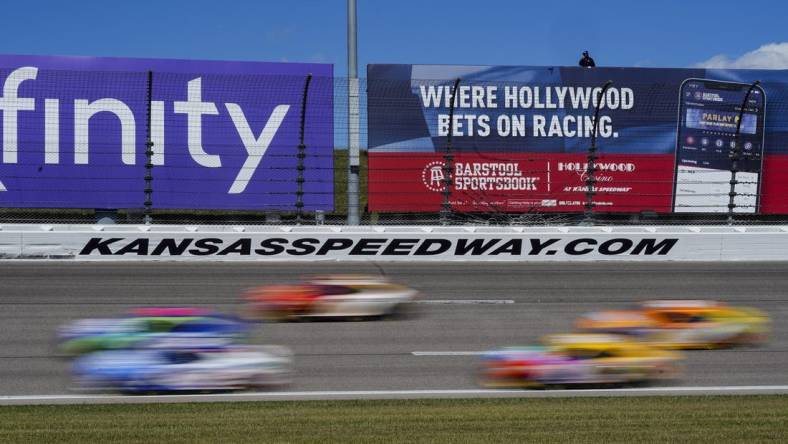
225 134
520 137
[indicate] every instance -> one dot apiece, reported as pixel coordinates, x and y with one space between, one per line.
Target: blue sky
666 33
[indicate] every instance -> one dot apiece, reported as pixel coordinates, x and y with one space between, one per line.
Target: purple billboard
225 134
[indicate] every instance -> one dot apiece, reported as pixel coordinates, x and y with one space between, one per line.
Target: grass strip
711 419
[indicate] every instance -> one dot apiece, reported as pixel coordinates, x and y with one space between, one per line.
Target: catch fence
189 147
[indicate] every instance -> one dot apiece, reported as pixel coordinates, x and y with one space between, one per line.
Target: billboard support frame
448 160
301 155
148 204
588 217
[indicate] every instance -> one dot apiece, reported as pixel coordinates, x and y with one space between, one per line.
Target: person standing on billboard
587 61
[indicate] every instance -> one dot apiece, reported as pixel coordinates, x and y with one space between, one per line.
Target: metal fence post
301 155
448 159
734 155
147 219
354 119
588 216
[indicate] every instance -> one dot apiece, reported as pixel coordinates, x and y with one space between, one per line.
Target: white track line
392 394
465 301
448 353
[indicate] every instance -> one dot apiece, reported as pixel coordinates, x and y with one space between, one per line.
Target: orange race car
683 324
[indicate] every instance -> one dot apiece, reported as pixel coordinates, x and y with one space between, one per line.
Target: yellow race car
683 324
579 360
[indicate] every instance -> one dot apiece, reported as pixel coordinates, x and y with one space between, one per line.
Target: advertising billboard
521 134
225 134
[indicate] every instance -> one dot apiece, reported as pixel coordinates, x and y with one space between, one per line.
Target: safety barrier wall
397 243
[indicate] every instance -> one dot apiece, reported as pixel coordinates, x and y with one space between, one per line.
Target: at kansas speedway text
375 246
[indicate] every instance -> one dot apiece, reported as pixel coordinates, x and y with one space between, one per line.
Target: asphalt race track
466 308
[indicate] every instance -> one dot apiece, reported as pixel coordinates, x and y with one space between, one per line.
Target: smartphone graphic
706 136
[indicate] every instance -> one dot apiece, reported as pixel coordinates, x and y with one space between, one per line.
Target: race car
683 324
234 367
578 360
338 297
170 312
151 327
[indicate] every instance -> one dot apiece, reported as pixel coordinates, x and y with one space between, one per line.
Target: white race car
346 297
233 367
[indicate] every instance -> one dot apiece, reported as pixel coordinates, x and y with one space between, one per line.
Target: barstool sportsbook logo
433 176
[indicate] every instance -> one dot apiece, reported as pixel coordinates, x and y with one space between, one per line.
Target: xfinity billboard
225 134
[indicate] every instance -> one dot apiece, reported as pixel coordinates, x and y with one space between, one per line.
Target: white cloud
769 56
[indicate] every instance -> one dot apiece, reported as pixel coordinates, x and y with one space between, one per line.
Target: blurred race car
234 367
683 324
347 297
151 327
578 360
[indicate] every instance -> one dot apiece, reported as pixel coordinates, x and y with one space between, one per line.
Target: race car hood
615 320
95 327
116 365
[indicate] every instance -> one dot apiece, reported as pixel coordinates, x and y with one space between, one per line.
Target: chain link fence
181 148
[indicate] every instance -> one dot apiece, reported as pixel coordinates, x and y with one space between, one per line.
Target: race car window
588 354
206 325
676 317
179 357
333 290
193 327
159 326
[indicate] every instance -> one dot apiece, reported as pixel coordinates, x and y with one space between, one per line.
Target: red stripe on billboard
774 183
519 182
